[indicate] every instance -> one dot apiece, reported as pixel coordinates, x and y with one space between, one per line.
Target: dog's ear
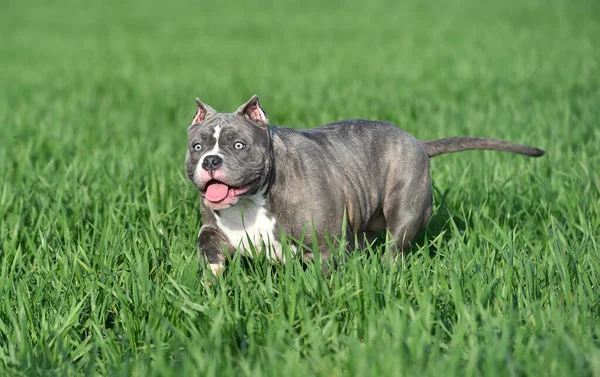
202 112
254 111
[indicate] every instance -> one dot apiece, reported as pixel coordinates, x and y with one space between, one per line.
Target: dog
350 179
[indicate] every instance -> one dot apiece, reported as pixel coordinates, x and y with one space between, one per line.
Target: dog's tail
461 143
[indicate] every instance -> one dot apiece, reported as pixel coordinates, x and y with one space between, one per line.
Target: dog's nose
211 162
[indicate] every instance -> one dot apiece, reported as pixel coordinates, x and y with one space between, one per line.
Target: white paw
216 268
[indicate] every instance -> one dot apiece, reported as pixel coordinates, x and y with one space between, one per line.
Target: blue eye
197 147
239 145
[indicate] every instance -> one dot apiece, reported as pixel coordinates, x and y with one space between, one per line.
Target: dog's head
228 155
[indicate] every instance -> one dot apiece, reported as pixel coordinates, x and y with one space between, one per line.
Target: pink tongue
215 192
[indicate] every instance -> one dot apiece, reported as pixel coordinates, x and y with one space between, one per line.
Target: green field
99 273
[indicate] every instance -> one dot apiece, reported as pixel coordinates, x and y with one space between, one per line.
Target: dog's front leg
212 246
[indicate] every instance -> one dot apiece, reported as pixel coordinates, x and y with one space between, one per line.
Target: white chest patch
249 223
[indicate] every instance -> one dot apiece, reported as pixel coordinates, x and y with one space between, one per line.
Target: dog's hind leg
407 209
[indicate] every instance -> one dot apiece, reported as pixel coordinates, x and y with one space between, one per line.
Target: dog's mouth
218 194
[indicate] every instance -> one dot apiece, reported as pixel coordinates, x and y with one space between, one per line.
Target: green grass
99 272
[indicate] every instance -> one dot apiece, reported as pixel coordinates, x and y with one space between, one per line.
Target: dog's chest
248 222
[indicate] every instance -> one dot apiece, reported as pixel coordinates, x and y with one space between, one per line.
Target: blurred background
309 61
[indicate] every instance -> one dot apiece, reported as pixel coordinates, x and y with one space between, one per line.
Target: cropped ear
202 112
253 110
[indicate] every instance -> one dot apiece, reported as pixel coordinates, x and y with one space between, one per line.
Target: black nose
211 162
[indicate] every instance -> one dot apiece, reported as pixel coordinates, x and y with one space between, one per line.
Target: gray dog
258 181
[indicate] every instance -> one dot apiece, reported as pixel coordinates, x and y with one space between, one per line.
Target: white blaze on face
214 151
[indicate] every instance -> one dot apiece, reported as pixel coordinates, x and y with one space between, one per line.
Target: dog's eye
239 145
197 147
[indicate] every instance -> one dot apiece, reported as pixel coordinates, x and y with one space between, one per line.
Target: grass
99 273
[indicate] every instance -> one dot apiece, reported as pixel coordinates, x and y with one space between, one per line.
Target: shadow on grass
440 223
444 219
